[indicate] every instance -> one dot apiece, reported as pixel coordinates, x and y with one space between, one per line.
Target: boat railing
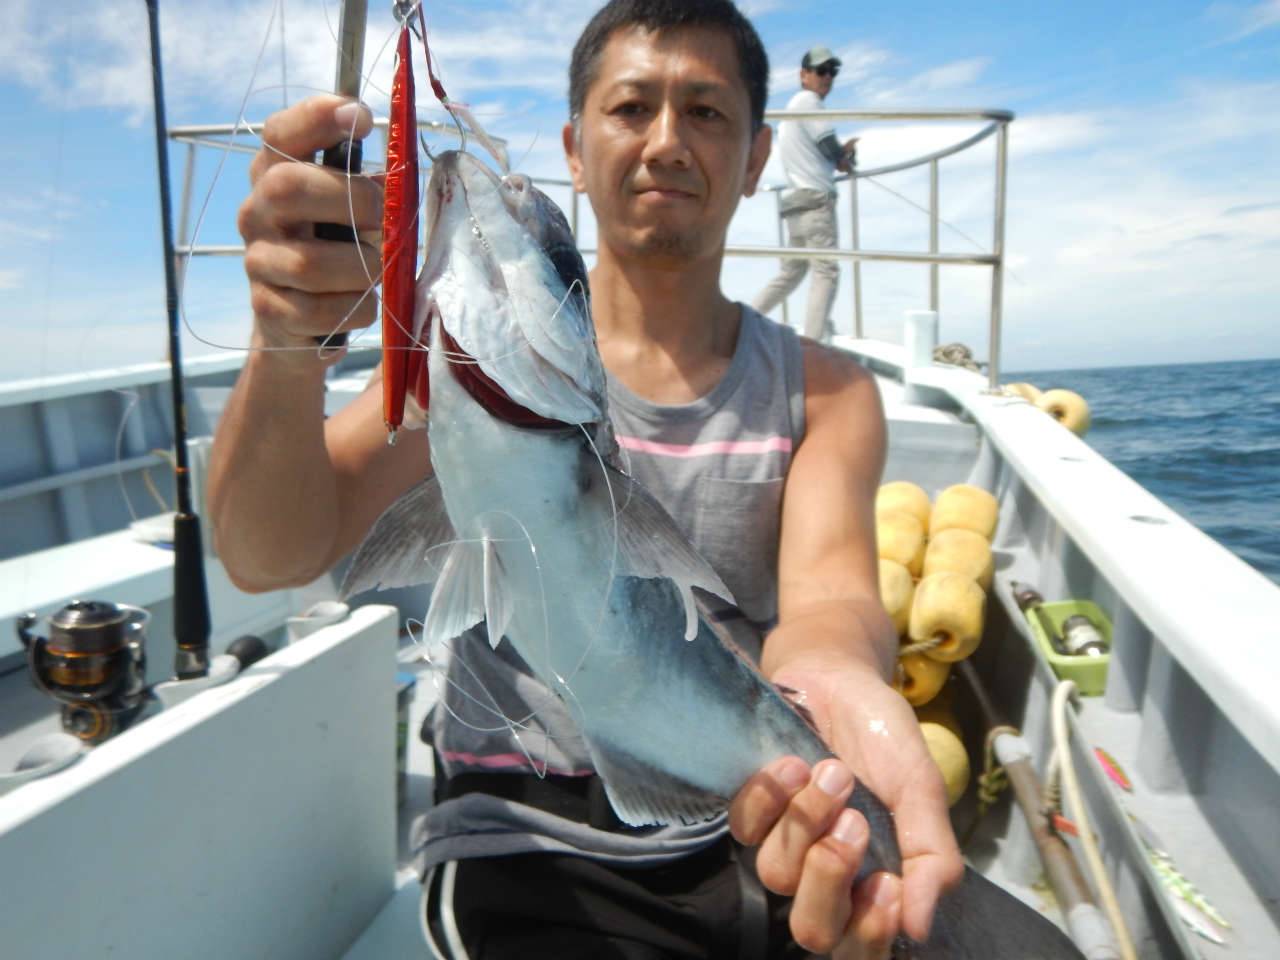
997 126
224 136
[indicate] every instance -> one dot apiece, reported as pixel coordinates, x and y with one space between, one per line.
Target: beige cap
817 56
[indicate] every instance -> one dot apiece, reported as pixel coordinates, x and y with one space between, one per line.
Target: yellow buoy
948 607
939 711
904 495
1069 409
900 537
921 678
961 551
967 507
896 591
1024 390
949 754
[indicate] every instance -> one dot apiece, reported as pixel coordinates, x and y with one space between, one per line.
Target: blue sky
1144 190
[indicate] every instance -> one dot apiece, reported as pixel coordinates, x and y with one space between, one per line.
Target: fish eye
569 267
516 182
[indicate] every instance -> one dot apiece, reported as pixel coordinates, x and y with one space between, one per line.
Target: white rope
1080 816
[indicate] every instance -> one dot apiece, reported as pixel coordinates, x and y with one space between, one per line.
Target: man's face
665 148
819 79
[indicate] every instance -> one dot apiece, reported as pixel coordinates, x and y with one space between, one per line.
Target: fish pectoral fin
396 553
651 545
458 600
641 794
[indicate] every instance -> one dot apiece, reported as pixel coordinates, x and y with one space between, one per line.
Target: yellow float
967 507
906 496
900 537
961 551
948 607
939 711
921 678
949 754
1068 408
1024 390
896 590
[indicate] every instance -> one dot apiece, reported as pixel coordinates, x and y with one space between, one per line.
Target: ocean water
1203 437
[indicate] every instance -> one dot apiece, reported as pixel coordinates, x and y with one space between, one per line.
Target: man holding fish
666 135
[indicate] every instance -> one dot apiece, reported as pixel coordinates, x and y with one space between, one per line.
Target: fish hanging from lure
404 367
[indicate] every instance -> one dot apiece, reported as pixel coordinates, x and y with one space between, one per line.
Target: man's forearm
272 488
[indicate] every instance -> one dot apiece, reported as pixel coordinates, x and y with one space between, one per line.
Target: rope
150 484
993 780
956 354
922 646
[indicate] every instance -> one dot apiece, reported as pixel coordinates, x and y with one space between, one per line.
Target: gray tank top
718 465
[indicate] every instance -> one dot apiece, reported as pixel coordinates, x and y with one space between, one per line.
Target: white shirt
806 166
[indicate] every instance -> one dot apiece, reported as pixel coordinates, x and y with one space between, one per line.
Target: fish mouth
453 178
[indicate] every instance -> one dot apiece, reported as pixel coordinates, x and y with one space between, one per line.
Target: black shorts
535 905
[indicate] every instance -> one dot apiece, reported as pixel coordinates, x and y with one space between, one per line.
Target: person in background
811 156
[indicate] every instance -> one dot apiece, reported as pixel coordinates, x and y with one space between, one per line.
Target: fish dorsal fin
651 545
642 795
397 551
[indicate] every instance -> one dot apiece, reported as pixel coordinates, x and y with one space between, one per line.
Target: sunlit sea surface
1203 437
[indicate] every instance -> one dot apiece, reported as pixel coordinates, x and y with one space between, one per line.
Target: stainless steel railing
998 126
222 137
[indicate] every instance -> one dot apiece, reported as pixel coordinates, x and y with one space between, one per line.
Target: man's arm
840 155
290 492
835 643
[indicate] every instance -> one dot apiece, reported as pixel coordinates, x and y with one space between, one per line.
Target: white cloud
1248 20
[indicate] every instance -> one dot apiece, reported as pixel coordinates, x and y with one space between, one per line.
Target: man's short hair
655 15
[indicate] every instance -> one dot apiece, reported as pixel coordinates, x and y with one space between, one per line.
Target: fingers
875 916
288 318
304 129
809 815
764 798
290 198
302 287
822 907
931 862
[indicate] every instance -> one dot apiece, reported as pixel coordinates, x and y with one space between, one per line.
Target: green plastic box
1089 673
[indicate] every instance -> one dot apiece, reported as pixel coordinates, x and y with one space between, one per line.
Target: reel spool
93 663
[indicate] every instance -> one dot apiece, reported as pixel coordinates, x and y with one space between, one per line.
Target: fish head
504 278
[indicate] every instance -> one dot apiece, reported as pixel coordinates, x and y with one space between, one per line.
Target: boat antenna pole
190 594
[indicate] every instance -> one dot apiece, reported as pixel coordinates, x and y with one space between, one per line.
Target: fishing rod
191 627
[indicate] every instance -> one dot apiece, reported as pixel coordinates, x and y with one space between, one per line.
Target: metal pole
184 213
933 234
997 248
857 264
782 242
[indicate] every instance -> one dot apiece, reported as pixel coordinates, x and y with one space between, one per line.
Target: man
811 155
666 134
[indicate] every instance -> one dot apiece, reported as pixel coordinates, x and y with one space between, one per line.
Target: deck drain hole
1072 459
1143 518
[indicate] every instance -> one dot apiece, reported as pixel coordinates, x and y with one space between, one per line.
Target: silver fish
530 523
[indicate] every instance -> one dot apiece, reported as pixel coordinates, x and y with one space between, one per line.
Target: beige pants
807 228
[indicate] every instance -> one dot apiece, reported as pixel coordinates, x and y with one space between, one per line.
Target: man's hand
303 287
811 846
